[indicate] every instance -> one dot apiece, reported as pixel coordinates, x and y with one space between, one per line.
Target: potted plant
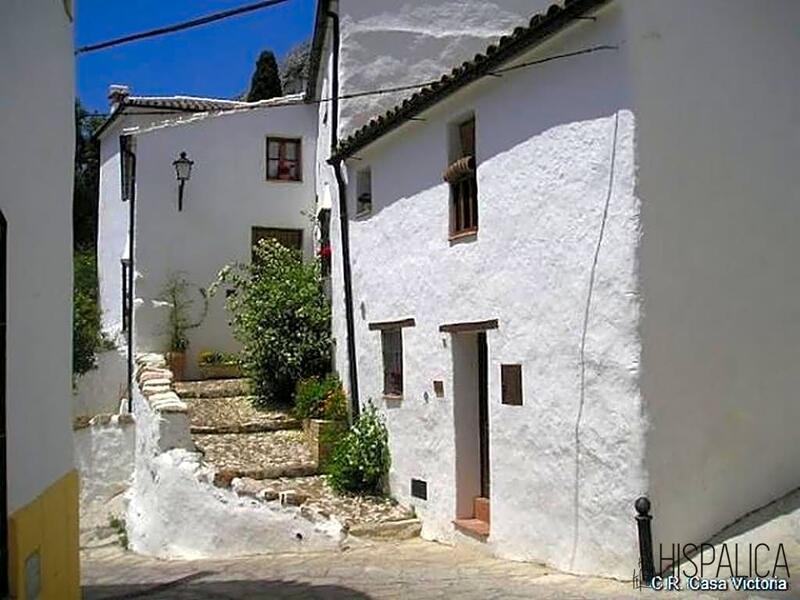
175 296
322 405
218 365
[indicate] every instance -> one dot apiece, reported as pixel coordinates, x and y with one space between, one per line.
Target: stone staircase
262 454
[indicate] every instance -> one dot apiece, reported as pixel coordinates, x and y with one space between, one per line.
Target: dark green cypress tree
266 82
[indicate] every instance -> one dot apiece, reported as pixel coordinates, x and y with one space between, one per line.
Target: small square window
511 379
364 191
283 159
392 342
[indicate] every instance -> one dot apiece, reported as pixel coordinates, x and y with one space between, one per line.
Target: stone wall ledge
102 420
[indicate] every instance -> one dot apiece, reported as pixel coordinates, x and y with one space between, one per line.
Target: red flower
325 252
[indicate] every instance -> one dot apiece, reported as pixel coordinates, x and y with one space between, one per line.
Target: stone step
236 415
212 388
264 455
251 427
388 530
361 516
473 527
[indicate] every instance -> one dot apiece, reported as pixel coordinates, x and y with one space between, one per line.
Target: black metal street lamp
183 171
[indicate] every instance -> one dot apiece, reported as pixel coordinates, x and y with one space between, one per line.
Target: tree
86 178
266 82
279 312
294 68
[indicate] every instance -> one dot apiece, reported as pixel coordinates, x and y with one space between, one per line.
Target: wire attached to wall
584 333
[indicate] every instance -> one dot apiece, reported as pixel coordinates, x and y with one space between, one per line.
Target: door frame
4 554
483 414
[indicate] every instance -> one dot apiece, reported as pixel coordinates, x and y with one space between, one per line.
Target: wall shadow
190 587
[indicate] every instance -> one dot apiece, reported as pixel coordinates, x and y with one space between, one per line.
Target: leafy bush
320 398
280 315
87 336
360 460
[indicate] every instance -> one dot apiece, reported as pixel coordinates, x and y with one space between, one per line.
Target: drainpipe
344 223
131 268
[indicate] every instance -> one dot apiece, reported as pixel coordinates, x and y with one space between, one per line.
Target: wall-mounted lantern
183 171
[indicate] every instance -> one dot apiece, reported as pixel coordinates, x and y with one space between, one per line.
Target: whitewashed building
38 480
572 270
252 176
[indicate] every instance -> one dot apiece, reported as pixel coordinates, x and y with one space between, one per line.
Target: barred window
283 159
462 177
392 342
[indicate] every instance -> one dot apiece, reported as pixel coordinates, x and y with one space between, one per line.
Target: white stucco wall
544 146
387 43
37 148
174 510
227 195
101 390
113 217
718 105
104 455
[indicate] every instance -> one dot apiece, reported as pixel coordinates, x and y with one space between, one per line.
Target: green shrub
360 460
320 398
208 357
278 311
87 337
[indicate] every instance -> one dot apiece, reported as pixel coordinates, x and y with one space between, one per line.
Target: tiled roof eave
541 27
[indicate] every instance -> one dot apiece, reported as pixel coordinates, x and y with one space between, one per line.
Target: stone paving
246 452
377 570
236 415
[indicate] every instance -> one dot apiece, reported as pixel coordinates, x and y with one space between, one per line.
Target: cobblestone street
411 569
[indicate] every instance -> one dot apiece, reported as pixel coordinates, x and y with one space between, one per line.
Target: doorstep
473 527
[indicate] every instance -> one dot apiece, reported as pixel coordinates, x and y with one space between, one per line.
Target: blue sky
213 60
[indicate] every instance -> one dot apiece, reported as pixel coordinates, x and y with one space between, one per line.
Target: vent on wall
419 489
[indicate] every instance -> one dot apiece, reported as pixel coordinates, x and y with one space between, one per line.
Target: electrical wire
198 22
391 90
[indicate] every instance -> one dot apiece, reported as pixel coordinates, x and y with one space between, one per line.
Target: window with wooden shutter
392 343
283 159
511 381
290 238
127 167
462 177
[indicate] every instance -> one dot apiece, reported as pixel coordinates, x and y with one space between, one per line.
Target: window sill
393 397
363 214
268 180
464 235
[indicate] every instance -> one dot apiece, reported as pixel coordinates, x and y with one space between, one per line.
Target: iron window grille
283 159
392 344
463 180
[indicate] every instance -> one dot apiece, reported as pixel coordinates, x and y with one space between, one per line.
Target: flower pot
321 436
176 361
220 371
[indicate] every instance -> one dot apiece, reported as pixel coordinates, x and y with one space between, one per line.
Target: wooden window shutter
511 381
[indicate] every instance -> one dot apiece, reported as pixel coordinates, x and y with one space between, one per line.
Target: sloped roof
190 104
181 103
540 27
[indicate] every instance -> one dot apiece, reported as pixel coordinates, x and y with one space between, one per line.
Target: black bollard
643 519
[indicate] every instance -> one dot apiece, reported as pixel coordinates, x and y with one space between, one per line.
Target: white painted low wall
175 511
100 390
104 456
